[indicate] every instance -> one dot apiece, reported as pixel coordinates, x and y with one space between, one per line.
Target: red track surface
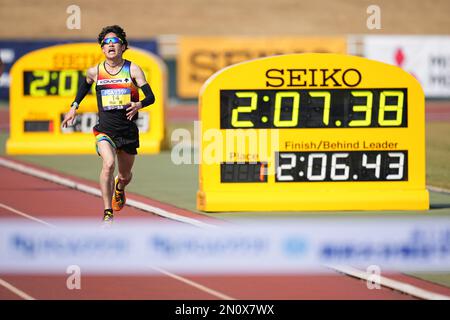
46 200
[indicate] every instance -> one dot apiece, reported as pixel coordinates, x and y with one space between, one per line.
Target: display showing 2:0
41 83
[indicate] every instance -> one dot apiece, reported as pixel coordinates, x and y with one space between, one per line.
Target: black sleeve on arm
149 96
82 91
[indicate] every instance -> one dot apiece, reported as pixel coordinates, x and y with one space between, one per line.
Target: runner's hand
132 109
69 118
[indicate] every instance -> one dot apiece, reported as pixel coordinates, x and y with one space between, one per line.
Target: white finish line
300 246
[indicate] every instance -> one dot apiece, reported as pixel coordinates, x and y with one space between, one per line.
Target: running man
116 83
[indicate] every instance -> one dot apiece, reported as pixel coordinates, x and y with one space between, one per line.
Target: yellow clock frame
70 58
354 73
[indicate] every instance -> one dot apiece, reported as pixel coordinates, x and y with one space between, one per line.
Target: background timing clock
44 84
312 132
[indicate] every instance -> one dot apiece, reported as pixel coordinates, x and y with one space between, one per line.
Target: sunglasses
111 40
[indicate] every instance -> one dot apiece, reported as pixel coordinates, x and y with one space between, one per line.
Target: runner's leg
107 152
125 162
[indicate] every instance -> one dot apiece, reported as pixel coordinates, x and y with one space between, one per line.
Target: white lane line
15 290
96 192
392 284
437 189
25 215
194 284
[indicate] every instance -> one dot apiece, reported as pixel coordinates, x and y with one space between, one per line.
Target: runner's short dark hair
114 29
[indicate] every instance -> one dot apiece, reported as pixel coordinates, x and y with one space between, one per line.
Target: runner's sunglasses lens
111 40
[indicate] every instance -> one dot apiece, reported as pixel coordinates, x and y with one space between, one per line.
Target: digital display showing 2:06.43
313 108
342 166
323 167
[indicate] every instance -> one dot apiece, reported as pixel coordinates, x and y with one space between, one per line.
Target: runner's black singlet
114 92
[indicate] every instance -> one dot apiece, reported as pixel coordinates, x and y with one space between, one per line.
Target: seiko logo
113 81
313 77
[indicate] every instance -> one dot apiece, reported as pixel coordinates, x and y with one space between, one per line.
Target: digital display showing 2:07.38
313 108
342 166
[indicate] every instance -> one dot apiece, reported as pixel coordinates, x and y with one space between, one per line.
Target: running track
40 199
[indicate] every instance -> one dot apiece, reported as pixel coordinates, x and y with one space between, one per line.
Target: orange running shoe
118 198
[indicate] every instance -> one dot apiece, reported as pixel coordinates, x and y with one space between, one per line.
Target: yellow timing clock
310 132
44 84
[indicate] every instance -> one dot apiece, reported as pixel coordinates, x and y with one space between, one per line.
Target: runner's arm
85 86
139 78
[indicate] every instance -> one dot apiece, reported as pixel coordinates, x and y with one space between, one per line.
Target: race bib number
114 99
